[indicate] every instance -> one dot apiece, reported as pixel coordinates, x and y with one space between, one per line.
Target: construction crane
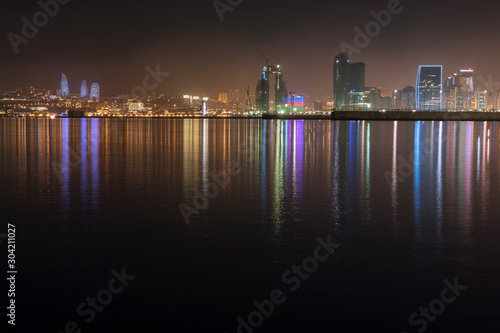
262 95
266 59
279 58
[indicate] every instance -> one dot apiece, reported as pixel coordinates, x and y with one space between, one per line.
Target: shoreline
336 115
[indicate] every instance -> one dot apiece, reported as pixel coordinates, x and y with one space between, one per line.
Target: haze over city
250 166
114 41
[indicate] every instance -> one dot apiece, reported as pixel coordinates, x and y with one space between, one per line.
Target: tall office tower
429 88
231 95
341 80
94 91
64 86
83 89
262 91
237 95
356 84
357 76
280 90
464 89
449 97
348 82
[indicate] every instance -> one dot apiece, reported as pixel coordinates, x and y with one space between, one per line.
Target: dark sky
114 40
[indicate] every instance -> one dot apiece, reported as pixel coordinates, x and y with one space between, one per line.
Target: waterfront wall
415 116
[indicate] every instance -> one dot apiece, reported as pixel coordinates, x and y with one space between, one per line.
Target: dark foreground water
411 204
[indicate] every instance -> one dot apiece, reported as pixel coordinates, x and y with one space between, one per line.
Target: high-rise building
480 99
493 99
348 82
404 99
223 97
280 90
83 89
262 91
340 79
458 91
64 86
94 91
429 88
357 76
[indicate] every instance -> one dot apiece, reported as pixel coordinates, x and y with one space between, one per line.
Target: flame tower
94 91
83 90
64 86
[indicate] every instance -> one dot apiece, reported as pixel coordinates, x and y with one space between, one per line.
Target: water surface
410 203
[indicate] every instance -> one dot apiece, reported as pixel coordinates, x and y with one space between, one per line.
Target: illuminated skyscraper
429 88
464 92
94 91
262 91
64 86
83 90
341 79
280 90
348 82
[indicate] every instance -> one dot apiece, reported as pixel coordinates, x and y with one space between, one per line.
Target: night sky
114 40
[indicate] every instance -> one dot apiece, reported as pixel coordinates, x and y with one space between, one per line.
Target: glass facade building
341 79
348 82
429 88
262 91
64 86
95 91
83 90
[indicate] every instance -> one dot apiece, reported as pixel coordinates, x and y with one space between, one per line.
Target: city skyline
250 166
391 57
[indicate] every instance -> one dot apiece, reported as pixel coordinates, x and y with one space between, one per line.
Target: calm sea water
410 203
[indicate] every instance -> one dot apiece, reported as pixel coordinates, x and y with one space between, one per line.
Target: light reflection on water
362 167
410 202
